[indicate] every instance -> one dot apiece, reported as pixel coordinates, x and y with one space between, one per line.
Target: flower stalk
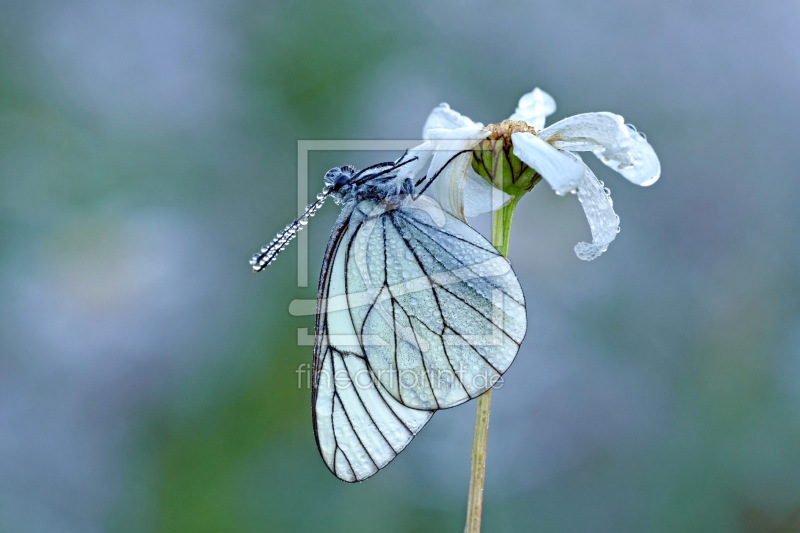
501 231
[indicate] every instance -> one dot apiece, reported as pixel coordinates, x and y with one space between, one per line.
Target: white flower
550 151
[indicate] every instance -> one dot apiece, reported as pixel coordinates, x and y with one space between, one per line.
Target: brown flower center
504 130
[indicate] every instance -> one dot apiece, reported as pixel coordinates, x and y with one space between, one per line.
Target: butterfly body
381 182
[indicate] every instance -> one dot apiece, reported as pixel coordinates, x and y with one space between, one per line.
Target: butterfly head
338 177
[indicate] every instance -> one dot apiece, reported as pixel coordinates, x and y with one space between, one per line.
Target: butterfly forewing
440 312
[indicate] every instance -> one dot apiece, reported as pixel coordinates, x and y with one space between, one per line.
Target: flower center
494 159
504 130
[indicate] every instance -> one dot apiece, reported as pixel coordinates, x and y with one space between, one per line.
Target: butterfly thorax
382 183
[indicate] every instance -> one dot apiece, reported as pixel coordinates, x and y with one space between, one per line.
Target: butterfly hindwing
359 427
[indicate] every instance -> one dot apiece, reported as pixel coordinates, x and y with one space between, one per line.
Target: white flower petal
449 171
480 196
586 131
603 221
617 145
417 170
559 169
636 161
442 117
534 107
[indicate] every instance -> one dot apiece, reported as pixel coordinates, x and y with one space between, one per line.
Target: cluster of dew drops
270 251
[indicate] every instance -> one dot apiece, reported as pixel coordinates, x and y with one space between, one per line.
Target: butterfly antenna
438 173
270 251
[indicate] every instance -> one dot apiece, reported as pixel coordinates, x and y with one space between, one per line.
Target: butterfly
416 312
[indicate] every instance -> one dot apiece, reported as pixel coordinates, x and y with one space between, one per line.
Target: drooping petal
419 158
599 210
559 169
442 117
534 107
480 197
636 160
446 179
616 144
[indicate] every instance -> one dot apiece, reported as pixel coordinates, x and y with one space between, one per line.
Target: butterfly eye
337 177
332 176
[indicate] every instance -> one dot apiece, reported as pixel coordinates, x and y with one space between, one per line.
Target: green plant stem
501 226
501 230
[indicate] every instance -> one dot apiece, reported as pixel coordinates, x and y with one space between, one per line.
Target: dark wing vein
447 357
346 411
414 222
467 285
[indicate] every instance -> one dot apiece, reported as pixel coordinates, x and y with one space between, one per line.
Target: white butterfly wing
417 311
359 427
445 313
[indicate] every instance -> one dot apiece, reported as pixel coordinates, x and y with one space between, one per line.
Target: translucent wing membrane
445 312
359 427
417 312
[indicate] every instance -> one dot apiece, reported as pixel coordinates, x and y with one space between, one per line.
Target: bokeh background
147 378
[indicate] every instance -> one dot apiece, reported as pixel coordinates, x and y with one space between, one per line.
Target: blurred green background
147 378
